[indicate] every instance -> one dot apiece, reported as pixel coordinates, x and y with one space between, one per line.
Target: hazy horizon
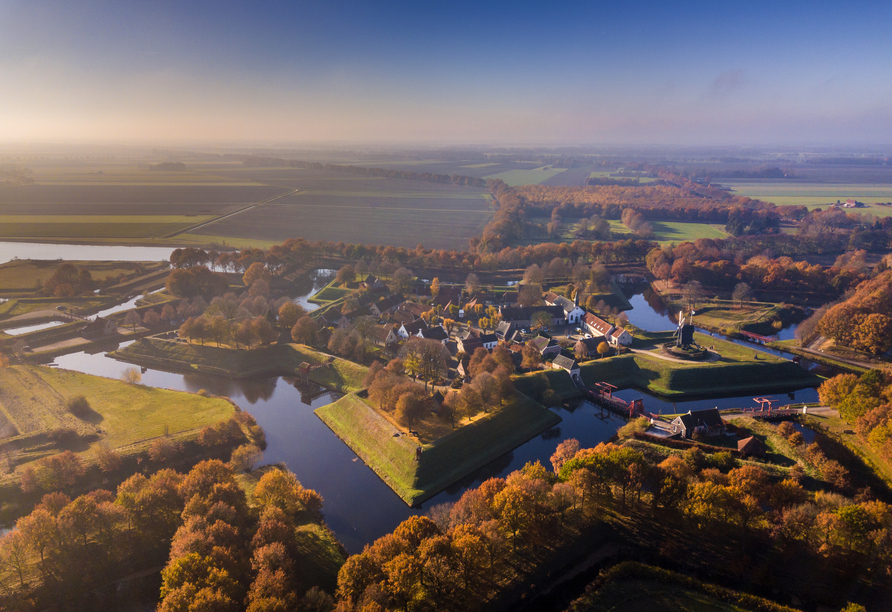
232 74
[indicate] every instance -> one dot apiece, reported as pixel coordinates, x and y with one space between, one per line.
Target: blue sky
460 72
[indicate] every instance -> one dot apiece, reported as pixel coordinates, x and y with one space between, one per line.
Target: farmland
573 177
813 194
341 207
532 176
96 226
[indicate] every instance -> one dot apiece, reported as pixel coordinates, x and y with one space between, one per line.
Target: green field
32 400
533 176
675 231
735 372
444 461
99 226
815 195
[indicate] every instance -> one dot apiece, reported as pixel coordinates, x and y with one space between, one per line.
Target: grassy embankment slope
276 359
33 404
443 461
736 371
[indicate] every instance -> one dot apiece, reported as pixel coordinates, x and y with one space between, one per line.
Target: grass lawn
329 293
445 460
675 231
734 374
33 400
532 176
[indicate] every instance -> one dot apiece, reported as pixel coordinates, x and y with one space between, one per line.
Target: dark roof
389 302
525 313
469 345
504 328
435 333
487 338
565 362
415 326
540 343
590 344
702 418
751 445
365 311
509 297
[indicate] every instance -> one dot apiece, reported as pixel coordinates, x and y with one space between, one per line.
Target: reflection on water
81 252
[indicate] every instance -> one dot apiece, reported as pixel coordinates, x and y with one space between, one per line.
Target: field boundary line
232 214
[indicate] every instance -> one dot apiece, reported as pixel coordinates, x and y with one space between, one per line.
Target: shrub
78 406
63 435
258 435
163 450
203 393
245 458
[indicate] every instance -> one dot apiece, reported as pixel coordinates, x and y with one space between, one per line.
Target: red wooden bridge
766 409
602 395
757 338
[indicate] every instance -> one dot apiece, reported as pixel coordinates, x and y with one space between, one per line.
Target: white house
573 312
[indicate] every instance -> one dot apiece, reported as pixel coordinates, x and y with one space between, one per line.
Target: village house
547 347
387 305
703 422
587 347
434 333
384 335
522 316
597 326
469 344
573 312
620 337
349 319
373 283
412 329
568 365
751 446
99 328
505 329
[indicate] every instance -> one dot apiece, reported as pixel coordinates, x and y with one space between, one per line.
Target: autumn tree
305 331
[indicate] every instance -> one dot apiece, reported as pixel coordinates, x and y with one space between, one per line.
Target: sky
515 73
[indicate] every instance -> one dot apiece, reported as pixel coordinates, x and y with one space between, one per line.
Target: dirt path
712 357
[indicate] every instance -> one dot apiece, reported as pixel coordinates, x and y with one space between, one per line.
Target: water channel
359 507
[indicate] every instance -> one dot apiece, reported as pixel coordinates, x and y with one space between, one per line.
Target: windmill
684 334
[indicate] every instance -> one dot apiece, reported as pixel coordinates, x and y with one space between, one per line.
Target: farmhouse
705 422
373 283
573 313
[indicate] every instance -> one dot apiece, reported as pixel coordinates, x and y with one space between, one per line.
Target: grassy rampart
676 380
444 461
273 360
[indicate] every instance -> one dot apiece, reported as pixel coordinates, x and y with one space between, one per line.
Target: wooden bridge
602 395
767 411
757 338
